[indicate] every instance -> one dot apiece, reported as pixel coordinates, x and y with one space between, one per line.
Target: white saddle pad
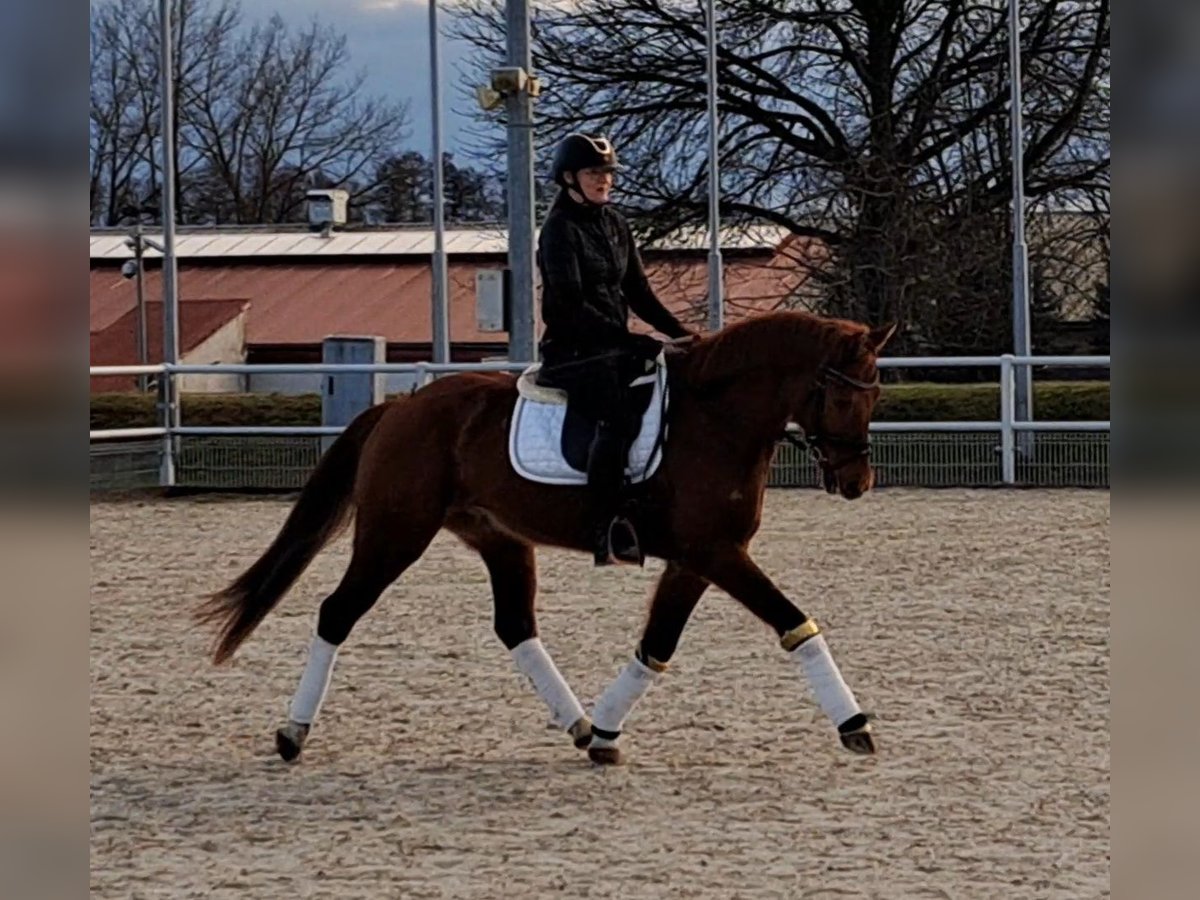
535 437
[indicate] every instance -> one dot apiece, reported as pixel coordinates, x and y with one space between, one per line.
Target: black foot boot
601 548
605 483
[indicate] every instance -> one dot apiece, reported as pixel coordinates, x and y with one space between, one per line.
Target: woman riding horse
592 276
406 470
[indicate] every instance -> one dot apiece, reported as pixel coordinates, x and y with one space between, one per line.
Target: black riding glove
643 346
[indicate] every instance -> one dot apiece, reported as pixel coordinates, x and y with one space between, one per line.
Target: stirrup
625 549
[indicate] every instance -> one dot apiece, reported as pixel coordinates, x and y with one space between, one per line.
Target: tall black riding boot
614 537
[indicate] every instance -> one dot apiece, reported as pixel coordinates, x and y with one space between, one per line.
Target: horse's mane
785 339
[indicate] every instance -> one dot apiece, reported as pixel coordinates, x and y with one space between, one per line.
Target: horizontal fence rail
887 362
116 434
1067 443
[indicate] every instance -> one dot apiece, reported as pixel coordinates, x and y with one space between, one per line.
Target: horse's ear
880 336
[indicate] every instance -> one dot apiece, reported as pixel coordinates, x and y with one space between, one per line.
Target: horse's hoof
581 733
859 742
605 756
289 739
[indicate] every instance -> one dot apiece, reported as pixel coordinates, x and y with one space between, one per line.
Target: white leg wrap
535 664
617 702
314 682
825 680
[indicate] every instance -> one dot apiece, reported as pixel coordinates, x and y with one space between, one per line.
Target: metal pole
716 293
170 398
522 345
143 339
1020 251
1008 465
441 314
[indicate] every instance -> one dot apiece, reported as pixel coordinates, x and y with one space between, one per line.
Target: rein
809 442
670 347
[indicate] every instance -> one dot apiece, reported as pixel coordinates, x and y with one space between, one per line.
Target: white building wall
226 345
310 383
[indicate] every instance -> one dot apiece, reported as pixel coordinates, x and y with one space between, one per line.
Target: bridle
810 441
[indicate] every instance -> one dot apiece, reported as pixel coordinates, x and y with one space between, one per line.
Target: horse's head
815 371
835 413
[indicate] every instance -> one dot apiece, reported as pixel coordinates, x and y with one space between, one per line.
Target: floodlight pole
522 344
1020 250
441 312
716 293
169 390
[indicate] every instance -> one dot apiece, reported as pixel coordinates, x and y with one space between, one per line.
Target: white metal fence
966 444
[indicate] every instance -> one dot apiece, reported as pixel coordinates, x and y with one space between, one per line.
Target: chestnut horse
438 459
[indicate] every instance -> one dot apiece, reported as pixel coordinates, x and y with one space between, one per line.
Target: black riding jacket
592 276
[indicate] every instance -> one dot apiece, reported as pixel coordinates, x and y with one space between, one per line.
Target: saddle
549 437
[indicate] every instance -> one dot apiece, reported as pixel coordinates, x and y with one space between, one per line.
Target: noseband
809 441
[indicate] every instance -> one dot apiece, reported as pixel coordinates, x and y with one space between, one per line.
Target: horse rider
592 276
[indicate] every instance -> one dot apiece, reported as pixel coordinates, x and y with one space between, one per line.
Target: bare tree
875 127
123 110
275 115
125 107
262 113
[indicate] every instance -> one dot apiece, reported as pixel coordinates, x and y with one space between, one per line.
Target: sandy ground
974 624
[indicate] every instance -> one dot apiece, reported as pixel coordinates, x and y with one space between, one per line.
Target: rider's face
596 184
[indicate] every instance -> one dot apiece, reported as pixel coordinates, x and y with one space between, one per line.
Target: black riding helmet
583 151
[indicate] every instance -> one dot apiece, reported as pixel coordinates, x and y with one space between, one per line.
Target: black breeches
598 388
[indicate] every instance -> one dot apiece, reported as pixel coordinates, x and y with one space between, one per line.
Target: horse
436 459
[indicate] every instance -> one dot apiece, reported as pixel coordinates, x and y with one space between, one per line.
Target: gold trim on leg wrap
790 640
650 662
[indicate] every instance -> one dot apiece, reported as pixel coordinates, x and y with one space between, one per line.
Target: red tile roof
304 302
114 342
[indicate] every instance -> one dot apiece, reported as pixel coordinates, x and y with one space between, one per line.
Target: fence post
168 418
1008 402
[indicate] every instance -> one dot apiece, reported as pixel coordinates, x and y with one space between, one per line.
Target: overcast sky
389 41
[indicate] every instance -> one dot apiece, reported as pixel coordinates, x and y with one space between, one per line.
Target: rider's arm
641 296
563 307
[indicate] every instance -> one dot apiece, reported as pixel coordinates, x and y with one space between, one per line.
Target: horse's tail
320 514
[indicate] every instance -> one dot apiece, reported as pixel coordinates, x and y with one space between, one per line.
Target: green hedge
132 410
1057 401
1053 401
